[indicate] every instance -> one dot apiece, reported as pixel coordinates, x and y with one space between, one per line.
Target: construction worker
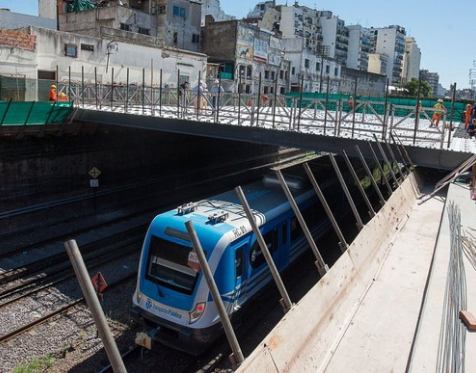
351 103
53 96
440 109
467 115
62 97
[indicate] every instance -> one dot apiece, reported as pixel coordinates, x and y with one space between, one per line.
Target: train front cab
172 297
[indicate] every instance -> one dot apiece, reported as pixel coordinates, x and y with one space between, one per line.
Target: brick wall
17 39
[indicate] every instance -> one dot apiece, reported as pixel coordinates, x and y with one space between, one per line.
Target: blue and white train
172 296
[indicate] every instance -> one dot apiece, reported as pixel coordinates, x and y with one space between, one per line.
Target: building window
249 71
71 50
144 31
266 74
336 71
281 74
178 11
248 89
271 90
282 90
273 75
265 90
328 69
162 9
195 38
87 47
125 27
318 66
175 38
307 63
293 71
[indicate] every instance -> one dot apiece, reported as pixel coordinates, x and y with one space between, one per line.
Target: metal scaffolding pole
285 300
385 159
230 334
321 265
342 241
358 184
382 172
94 306
360 223
370 175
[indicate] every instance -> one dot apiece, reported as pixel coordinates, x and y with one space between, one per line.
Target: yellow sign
94 172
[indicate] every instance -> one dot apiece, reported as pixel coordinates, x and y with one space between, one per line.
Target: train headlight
197 312
138 297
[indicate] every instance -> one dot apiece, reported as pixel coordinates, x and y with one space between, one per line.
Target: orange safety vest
53 96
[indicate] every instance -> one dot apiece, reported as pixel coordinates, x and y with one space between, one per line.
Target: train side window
256 256
284 233
296 230
239 262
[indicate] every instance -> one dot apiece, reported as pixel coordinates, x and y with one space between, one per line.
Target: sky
445 30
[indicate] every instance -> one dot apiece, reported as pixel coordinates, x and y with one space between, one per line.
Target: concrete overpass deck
428 147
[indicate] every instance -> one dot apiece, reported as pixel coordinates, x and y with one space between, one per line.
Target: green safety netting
80 5
401 106
34 113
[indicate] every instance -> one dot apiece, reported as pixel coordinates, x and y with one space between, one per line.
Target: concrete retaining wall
305 338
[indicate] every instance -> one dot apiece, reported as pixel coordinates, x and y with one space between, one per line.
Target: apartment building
432 78
335 36
411 61
390 41
213 8
360 46
174 23
245 52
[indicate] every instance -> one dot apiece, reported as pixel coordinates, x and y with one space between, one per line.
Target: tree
412 88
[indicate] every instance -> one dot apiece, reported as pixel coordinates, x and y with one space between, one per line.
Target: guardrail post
112 89
143 91
321 265
402 157
239 97
405 151
96 86
152 93
275 98
370 175
300 102
207 273
339 108
342 241
82 84
285 300
385 159
453 98
258 106
326 104
385 111
360 223
354 107
69 83
126 101
383 176
358 184
417 112
50 113
395 164
94 306
178 93
218 101
160 93
199 93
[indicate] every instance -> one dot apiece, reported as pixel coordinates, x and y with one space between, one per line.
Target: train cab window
171 265
256 256
239 262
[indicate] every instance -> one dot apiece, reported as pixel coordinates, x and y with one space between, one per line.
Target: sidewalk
380 334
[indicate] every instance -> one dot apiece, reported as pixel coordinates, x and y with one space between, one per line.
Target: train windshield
172 265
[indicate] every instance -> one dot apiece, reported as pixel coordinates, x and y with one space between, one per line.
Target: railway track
17 331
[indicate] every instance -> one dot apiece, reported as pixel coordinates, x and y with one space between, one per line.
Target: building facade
433 80
213 8
43 52
244 52
377 63
174 23
335 36
360 46
411 61
390 41
11 20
